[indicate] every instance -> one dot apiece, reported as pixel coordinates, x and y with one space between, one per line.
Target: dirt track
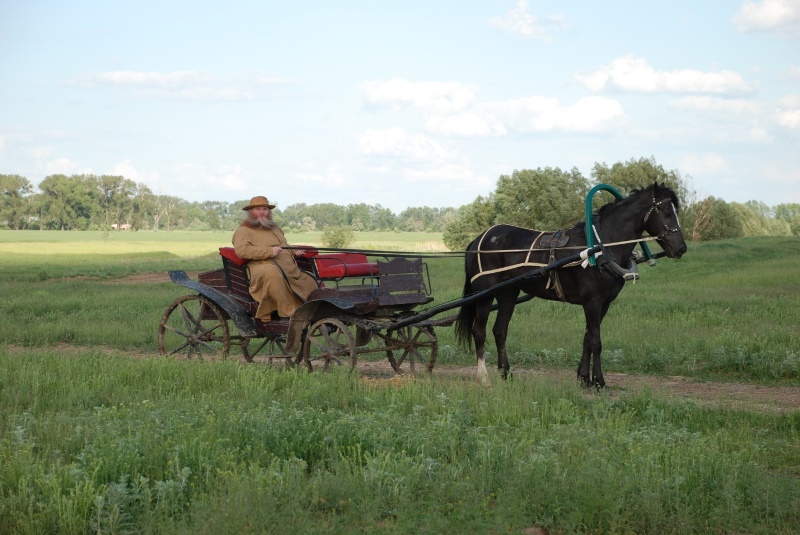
775 399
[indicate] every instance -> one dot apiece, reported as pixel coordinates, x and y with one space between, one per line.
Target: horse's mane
639 191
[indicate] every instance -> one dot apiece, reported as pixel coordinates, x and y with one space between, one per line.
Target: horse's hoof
484 379
599 384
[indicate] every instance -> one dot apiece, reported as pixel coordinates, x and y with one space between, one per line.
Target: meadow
100 434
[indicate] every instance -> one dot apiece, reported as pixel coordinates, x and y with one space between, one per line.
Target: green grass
187 244
94 440
107 444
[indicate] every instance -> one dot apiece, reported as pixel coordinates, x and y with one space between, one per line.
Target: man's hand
276 250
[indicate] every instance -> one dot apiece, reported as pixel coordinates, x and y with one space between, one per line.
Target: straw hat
259 201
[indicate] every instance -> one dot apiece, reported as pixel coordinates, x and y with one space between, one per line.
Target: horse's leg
482 309
593 310
505 309
597 368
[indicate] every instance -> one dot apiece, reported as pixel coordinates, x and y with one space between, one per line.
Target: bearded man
276 283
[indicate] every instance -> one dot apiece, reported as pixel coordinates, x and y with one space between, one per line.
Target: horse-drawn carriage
369 307
349 315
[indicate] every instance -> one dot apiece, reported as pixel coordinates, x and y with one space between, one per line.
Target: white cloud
39 153
715 104
792 74
521 22
397 143
789 118
635 75
397 93
703 163
194 86
468 123
768 15
540 114
149 79
452 110
126 169
331 176
65 166
222 177
790 101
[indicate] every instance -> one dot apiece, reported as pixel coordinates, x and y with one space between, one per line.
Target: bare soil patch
138 278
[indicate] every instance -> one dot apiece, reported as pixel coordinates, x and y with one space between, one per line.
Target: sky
399 103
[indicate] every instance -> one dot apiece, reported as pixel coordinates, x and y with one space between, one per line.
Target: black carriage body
363 304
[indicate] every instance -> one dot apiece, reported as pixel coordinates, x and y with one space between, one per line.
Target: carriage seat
337 266
237 279
230 254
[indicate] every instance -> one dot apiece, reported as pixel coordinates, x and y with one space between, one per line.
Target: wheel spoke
416 344
329 341
195 327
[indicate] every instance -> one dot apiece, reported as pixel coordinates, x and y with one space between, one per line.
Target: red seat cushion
339 265
308 251
230 254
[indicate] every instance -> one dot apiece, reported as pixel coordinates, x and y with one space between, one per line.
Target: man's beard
265 224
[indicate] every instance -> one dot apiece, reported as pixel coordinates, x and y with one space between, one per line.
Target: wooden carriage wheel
195 327
328 342
418 345
270 347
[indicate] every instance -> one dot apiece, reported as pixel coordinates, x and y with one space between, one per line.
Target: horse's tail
466 314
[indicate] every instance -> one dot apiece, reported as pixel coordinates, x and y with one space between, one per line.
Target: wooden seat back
237 279
402 282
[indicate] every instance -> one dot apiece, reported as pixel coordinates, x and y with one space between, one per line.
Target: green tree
116 195
757 220
358 216
168 208
790 213
308 224
633 174
69 203
144 204
469 221
337 237
544 199
381 218
15 201
713 219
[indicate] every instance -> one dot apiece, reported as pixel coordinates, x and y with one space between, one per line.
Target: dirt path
775 399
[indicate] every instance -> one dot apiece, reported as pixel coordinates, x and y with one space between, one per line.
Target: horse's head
662 222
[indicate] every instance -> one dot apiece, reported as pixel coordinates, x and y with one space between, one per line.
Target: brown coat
267 284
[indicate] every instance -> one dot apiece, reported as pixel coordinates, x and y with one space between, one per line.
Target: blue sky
399 103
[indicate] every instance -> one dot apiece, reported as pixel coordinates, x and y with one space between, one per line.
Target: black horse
504 252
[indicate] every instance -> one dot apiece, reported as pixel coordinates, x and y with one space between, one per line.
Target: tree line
543 198
552 199
90 202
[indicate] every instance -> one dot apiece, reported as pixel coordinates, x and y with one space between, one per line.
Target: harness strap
553 280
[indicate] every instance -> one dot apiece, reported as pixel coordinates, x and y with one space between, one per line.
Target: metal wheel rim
332 342
411 339
184 330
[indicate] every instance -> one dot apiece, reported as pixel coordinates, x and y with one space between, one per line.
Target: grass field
99 434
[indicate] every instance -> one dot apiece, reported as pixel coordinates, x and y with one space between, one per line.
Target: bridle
664 223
